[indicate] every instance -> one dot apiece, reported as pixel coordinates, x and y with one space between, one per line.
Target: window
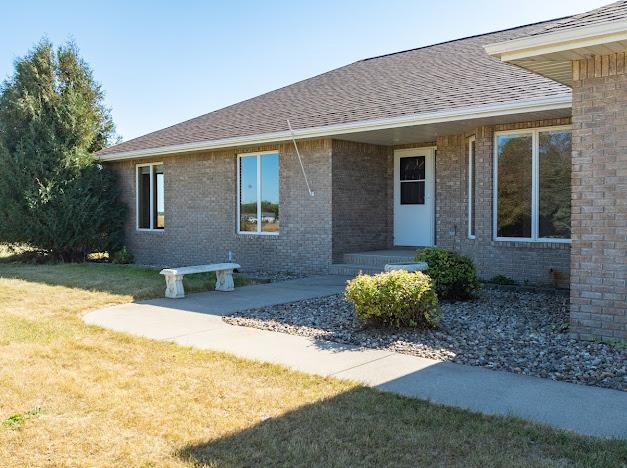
532 185
554 185
258 193
514 185
150 196
471 187
412 180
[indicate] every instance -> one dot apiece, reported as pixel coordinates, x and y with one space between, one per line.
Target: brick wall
201 211
536 263
352 209
599 201
362 179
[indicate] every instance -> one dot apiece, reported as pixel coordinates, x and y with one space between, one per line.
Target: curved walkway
196 321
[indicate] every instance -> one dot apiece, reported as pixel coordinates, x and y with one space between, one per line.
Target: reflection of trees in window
269 192
548 153
514 186
412 180
554 184
259 193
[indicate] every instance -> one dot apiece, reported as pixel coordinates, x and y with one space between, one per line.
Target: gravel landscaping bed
513 330
270 276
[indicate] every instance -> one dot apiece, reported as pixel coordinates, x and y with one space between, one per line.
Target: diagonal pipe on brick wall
299 158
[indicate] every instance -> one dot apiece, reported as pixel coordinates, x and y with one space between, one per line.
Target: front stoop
350 269
370 263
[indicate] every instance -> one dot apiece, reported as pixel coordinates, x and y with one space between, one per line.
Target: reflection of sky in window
248 179
270 178
160 194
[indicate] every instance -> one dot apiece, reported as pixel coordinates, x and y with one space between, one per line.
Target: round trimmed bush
396 299
454 275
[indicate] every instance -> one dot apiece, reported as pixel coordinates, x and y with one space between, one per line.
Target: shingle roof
606 14
450 75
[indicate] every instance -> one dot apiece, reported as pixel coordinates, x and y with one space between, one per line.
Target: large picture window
150 196
258 193
532 185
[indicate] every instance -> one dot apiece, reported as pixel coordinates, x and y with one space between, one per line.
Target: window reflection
143 192
159 203
248 194
412 168
554 184
412 180
259 193
270 193
514 185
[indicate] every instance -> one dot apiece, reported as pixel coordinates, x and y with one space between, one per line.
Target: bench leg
224 280
174 286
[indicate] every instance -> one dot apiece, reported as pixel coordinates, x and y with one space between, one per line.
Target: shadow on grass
365 427
135 281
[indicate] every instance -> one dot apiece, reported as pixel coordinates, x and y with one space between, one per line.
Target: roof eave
550 54
562 101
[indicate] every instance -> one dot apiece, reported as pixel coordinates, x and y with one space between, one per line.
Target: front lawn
74 395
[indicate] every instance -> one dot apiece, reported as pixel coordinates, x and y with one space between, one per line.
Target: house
509 147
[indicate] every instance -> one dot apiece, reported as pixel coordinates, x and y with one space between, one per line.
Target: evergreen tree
54 196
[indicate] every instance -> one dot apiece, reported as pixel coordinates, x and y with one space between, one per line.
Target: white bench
174 277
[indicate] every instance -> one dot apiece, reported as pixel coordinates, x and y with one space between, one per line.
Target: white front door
413 197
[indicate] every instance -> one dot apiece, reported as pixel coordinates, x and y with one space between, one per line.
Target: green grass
115 400
16 420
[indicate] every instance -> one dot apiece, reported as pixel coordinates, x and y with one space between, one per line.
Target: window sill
149 230
531 243
258 234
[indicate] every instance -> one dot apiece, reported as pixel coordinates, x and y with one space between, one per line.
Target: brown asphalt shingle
451 75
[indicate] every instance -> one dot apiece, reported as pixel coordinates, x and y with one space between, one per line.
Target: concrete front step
371 262
375 260
350 269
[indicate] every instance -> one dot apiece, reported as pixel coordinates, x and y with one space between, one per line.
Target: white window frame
472 164
535 140
258 155
152 227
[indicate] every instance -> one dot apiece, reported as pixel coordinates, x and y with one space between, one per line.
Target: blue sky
164 62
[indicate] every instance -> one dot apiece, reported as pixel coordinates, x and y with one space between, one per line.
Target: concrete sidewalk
258 295
196 321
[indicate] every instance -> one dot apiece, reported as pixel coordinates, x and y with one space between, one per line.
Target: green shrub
395 298
122 257
454 275
502 279
55 197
